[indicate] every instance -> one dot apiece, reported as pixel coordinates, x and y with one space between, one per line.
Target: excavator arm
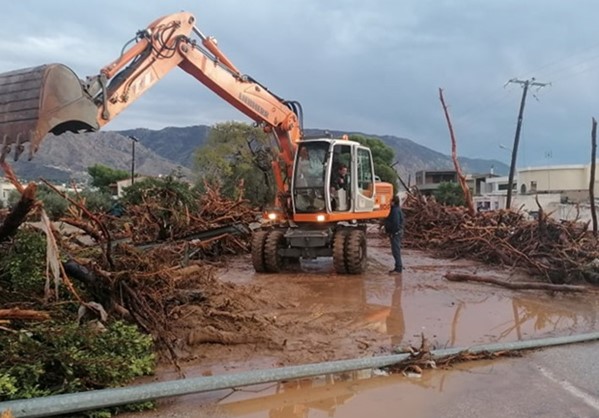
52 99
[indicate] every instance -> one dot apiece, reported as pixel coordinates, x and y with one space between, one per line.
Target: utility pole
526 84
133 141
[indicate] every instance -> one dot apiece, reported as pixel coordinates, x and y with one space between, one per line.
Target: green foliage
97 201
450 194
168 192
383 157
103 176
227 158
168 199
54 204
56 358
8 384
23 264
13 198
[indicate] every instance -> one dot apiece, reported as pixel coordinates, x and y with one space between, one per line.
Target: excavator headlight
320 218
272 216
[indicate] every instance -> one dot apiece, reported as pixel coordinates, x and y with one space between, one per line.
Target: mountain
175 144
412 157
161 152
66 157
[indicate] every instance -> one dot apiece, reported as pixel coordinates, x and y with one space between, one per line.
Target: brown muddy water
400 312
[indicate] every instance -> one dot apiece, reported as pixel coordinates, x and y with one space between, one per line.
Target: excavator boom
52 99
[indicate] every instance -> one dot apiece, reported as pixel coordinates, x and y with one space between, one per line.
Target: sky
358 66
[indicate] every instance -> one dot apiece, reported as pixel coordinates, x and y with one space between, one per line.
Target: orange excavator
310 218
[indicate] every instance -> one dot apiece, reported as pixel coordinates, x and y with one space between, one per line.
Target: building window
533 186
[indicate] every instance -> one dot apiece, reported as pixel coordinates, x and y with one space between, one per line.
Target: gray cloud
370 66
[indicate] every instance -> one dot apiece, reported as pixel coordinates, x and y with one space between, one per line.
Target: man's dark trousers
396 251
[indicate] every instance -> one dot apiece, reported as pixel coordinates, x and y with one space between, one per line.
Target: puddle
448 314
422 303
354 395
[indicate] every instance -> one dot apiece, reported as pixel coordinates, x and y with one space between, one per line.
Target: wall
5 190
573 178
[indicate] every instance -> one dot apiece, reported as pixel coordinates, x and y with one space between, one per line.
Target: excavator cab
333 177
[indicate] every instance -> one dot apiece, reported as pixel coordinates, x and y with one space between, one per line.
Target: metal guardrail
85 401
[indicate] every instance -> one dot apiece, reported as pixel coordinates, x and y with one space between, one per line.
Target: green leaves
103 176
450 194
234 153
383 157
64 357
23 264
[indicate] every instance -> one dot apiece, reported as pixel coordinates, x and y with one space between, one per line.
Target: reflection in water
327 404
540 316
458 319
323 397
396 326
296 398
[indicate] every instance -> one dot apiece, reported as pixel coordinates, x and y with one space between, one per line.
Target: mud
310 315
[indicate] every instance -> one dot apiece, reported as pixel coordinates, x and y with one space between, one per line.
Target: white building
571 181
562 191
5 190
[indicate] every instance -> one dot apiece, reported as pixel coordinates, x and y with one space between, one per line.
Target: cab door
363 180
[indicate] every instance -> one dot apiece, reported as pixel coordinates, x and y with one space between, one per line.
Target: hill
160 152
66 157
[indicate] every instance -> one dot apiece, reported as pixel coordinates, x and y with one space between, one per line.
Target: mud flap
41 100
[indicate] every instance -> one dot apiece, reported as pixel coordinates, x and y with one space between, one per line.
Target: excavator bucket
40 100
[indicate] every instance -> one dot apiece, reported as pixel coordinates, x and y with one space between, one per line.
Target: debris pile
561 252
155 265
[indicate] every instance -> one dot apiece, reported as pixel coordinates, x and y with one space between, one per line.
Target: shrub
54 358
23 263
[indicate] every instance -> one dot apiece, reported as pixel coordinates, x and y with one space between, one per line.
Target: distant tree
13 198
236 152
54 204
97 201
450 194
383 157
167 192
168 198
103 176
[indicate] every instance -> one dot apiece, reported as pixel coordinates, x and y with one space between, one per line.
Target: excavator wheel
355 252
272 259
339 251
257 246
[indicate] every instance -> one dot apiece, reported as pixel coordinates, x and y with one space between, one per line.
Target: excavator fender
41 100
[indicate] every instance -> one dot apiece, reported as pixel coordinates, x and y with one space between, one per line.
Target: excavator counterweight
41 100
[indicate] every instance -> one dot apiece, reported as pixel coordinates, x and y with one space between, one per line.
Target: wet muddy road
329 317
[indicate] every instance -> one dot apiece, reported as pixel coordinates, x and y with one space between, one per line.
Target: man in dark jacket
394 228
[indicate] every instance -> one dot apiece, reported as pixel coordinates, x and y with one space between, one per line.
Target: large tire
339 251
257 248
272 259
355 252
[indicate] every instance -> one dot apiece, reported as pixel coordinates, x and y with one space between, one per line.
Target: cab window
365 173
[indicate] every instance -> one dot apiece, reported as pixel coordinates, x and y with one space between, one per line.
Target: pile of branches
147 264
561 252
162 217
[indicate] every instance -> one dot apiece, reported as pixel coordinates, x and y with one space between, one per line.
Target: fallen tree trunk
19 213
457 277
24 314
